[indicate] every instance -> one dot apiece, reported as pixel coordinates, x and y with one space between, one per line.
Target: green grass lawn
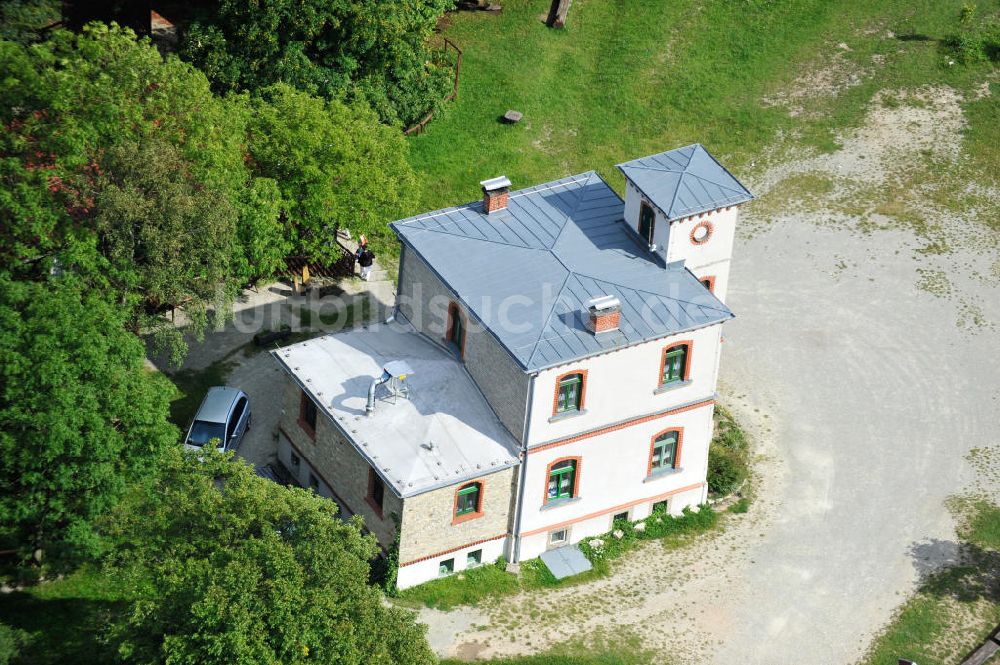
630 78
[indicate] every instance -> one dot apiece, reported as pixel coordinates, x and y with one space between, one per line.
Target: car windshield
202 432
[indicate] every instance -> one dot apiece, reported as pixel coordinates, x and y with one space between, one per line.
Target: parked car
224 416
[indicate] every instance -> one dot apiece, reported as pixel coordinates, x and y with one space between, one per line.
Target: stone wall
338 464
428 527
423 300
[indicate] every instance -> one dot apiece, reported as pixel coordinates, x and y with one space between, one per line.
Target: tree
23 20
80 417
234 568
373 50
334 164
127 170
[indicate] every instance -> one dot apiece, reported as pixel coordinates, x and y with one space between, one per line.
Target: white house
551 365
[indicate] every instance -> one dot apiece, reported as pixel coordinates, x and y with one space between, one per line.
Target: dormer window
647 222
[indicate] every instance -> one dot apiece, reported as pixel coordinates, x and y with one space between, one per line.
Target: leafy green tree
234 568
125 168
372 50
80 416
23 20
334 164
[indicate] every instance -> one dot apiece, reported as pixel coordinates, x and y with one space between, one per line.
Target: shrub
727 469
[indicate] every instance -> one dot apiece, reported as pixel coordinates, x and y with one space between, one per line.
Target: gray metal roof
685 181
555 247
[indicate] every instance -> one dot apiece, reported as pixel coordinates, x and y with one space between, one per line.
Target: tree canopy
334 164
374 50
234 568
80 417
125 169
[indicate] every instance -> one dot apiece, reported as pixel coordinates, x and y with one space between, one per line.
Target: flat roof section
442 434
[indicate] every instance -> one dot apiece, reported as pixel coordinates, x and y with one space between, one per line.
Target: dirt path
864 359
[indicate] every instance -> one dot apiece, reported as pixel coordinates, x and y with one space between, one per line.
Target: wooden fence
419 126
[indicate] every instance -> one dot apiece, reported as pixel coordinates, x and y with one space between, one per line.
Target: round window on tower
701 233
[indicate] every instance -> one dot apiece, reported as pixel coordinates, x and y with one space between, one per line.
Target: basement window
473 558
446 567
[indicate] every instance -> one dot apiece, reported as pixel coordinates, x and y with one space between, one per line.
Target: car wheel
249 421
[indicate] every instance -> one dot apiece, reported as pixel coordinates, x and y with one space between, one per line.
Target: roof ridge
548 318
566 216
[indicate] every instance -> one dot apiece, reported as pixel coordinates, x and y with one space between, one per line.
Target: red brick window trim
376 492
688 352
455 314
460 493
709 282
697 236
575 492
582 395
308 412
679 431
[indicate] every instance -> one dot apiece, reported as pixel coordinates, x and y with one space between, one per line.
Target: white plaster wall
622 384
719 247
613 470
711 257
424 571
533 546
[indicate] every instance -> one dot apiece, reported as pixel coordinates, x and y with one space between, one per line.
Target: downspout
524 470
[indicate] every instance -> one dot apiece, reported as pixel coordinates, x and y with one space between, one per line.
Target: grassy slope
629 78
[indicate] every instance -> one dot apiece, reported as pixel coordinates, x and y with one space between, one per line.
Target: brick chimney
495 194
605 314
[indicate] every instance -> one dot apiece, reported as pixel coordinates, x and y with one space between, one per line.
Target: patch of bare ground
827 78
902 168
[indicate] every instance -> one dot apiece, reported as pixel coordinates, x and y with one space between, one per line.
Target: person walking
365 260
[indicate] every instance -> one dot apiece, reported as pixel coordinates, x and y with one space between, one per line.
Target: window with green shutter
664 454
468 499
562 477
674 361
570 390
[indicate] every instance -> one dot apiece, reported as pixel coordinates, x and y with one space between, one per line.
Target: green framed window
570 393
562 479
674 361
664 454
468 499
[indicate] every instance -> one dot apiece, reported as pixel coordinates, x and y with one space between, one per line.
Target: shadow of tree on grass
61 630
961 571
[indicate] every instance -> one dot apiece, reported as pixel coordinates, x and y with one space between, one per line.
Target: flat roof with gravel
444 433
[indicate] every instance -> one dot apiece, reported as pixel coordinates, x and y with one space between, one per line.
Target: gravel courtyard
866 367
